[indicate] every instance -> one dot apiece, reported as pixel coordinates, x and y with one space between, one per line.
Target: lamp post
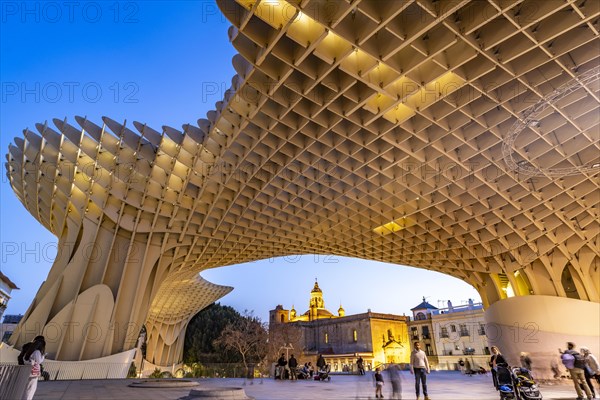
287 348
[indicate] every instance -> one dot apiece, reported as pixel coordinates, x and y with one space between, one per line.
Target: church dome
341 311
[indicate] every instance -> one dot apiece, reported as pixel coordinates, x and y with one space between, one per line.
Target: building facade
459 333
6 287
8 326
376 337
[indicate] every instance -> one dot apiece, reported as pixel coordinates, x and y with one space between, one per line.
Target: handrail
77 370
13 380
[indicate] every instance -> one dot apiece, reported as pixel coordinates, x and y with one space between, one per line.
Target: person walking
293 364
394 373
591 368
525 361
378 384
575 363
592 363
419 366
34 355
496 359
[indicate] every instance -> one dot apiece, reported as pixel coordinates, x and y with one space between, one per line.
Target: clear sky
161 63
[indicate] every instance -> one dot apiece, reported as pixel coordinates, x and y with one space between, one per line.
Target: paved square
442 386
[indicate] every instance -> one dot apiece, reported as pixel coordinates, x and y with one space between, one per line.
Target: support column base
540 325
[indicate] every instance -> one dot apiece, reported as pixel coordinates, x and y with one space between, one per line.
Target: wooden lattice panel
370 129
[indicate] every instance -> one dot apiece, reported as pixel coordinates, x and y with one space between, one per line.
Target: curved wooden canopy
370 129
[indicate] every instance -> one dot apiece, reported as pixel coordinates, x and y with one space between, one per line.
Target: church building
376 337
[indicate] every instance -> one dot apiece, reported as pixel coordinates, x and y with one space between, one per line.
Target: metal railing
77 370
13 380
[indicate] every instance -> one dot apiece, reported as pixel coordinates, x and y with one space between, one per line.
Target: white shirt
418 359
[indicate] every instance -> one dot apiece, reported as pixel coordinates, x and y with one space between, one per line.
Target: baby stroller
323 374
506 384
525 384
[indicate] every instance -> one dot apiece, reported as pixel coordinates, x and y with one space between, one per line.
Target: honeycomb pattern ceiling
366 128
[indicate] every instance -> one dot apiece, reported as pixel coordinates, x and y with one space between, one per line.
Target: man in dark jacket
292 363
281 363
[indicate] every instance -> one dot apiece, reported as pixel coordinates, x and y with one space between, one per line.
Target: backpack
568 360
579 361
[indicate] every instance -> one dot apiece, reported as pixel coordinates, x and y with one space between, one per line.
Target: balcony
481 331
425 336
464 332
444 335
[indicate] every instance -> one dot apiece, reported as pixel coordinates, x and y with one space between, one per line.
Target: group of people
583 367
288 369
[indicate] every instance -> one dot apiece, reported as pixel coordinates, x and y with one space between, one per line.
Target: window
420 316
354 336
463 330
486 350
282 320
453 328
425 332
428 350
444 332
481 329
415 332
326 337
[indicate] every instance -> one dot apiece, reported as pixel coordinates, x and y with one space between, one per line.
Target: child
378 384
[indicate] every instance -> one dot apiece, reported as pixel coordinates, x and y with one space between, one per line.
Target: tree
247 337
204 328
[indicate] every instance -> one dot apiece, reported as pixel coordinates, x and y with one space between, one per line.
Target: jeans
420 376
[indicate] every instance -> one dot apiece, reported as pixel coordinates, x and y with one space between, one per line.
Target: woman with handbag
35 356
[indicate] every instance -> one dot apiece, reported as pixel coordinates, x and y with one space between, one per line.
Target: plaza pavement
442 386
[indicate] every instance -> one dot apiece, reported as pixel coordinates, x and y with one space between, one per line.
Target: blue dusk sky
161 63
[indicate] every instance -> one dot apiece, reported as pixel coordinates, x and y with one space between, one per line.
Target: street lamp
287 348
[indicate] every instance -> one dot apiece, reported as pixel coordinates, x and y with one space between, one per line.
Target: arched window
282 318
568 283
355 335
420 316
326 337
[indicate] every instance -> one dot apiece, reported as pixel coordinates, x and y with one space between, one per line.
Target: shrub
132 373
156 374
